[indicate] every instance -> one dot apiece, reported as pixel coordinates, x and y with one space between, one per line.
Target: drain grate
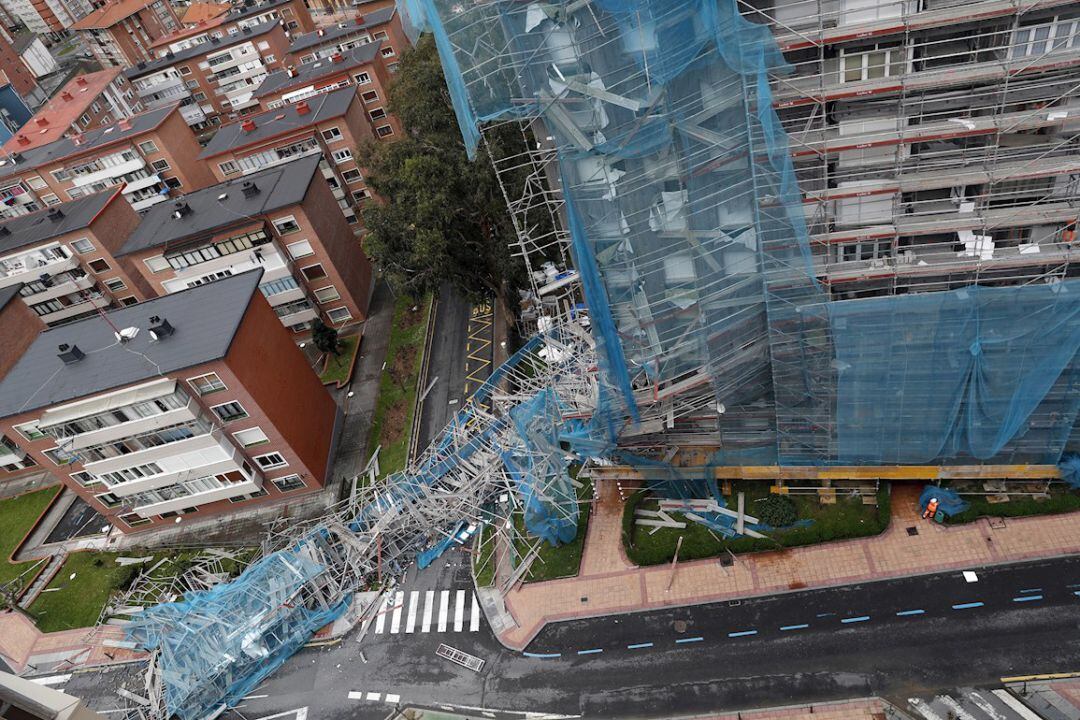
913 531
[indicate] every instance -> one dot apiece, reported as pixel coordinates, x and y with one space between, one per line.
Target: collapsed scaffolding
655 151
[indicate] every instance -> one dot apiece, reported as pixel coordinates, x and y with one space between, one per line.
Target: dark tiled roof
202 48
279 187
310 72
37 227
281 120
6 294
19 160
314 39
206 319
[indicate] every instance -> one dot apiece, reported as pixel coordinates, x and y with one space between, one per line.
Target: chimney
336 57
249 189
321 32
180 209
42 121
4 231
81 80
17 157
302 107
160 328
290 71
66 95
124 124
56 214
359 18
247 126
22 140
70 354
78 139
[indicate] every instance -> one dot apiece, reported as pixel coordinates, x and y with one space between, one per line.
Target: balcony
286 296
316 150
109 173
206 441
33 265
141 183
132 427
230 491
74 310
300 316
198 466
11 455
170 97
60 289
192 114
269 258
149 202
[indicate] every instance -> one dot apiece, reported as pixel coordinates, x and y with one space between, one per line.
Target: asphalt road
805 646
447 363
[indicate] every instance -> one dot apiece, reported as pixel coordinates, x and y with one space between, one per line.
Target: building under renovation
797 240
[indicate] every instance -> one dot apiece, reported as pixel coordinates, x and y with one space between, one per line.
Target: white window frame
232 168
331 311
245 416
292 247
333 289
243 443
258 461
191 383
150 267
332 134
303 484
862 56
286 218
343 155
145 151
120 284
76 250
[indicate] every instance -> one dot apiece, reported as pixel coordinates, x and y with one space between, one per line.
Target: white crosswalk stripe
419 611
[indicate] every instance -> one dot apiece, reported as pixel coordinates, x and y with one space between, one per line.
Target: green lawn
1061 500
565 560
17 516
847 518
395 407
484 560
68 603
339 367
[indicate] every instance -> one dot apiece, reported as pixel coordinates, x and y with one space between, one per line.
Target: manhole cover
727 561
913 531
680 626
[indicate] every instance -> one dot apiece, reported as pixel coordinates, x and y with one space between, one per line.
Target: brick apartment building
382 24
18 328
361 67
61 260
34 55
183 417
228 20
330 125
121 32
152 154
47 17
214 80
16 72
198 12
87 101
282 220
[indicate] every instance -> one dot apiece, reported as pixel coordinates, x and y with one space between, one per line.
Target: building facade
225 21
17 72
121 32
283 220
35 56
366 26
184 417
329 125
151 154
48 17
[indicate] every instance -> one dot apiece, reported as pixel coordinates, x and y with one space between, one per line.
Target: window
99 265
82 246
1035 40
172 183
362 78
84 120
327 294
206 384
393 67
252 436
270 461
147 148
286 225
160 165
377 114
36 183
264 45
129 300
95 107
370 96
361 194
313 272
228 168
384 131
388 52
84 478
381 35
339 315
157 263
352 176
133 520
276 287
199 96
331 134
300 249
288 483
30 431
50 199
230 411
342 155
878 61
60 175
191 84
268 59
115 284
184 70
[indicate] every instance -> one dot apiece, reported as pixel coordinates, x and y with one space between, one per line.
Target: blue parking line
743 633
542 655
1027 598
590 652
904 613
967 605
639 646
861 618
689 640
803 626
1031 590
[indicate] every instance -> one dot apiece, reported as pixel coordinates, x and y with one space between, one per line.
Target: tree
441 217
325 338
777 510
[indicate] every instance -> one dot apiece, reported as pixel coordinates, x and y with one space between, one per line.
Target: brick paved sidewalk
610 584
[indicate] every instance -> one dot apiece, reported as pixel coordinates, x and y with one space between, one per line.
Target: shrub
776 510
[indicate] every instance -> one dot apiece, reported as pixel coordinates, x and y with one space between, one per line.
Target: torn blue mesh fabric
1070 470
949 501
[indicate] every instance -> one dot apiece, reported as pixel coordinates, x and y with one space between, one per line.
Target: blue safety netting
218 645
949 501
1070 470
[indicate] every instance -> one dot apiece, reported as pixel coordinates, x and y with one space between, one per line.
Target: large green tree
443 217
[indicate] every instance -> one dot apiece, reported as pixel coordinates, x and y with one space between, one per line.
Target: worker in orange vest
1068 234
931 508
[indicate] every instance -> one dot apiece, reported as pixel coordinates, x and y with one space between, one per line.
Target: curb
421 381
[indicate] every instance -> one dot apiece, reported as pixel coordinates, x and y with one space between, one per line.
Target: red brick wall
19 325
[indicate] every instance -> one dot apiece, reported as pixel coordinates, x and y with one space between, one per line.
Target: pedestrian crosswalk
421 611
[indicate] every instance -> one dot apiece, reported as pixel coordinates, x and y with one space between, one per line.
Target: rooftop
6 294
225 204
309 72
209 45
231 14
37 227
112 12
280 121
41 379
200 12
23 40
369 20
19 157
58 115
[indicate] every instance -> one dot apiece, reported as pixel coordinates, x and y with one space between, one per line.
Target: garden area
808 522
337 369
17 517
392 421
1060 498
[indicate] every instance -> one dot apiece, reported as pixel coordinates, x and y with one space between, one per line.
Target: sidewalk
609 584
